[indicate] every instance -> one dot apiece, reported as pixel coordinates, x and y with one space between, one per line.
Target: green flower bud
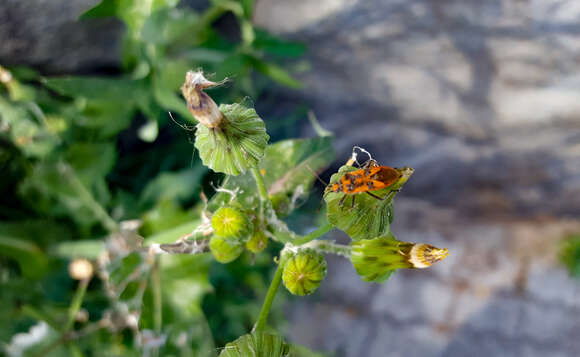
224 250
257 344
230 223
361 215
236 144
304 272
376 259
257 242
281 203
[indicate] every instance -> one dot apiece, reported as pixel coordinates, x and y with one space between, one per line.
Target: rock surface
47 35
480 97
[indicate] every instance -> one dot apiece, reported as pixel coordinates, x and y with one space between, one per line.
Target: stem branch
319 232
263 318
76 303
260 183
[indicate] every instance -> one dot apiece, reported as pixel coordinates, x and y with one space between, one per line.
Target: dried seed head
200 105
80 269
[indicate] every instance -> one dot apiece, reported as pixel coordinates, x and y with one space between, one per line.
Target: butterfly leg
352 203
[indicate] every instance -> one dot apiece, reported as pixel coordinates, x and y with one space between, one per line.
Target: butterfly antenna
316 175
183 126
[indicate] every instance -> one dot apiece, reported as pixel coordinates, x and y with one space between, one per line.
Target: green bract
304 272
230 223
369 217
257 344
376 259
238 142
224 250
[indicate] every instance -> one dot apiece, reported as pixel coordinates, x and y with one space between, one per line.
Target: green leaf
173 234
276 73
257 344
287 166
26 133
91 161
31 259
570 254
178 185
368 217
132 12
168 25
276 46
89 249
94 87
165 215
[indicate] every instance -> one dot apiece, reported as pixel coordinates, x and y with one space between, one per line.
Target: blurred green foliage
570 254
80 155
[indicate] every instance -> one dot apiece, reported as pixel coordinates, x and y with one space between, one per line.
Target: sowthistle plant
262 185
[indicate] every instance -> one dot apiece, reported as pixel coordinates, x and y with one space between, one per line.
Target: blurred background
480 97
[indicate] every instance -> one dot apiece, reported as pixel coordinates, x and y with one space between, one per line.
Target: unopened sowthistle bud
304 272
257 242
230 223
80 269
223 250
200 105
376 259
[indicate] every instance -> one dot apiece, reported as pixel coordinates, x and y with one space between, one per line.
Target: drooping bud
304 272
223 250
200 105
376 259
230 223
257 242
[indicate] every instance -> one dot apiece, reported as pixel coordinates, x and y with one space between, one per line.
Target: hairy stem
260 183
325 246
263 318
319 232
157 296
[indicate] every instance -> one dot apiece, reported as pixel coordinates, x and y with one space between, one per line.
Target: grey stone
47 35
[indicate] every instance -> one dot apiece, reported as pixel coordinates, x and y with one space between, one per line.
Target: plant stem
76 303
331 247
87 197
319 232
260 183
263 318
157 296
